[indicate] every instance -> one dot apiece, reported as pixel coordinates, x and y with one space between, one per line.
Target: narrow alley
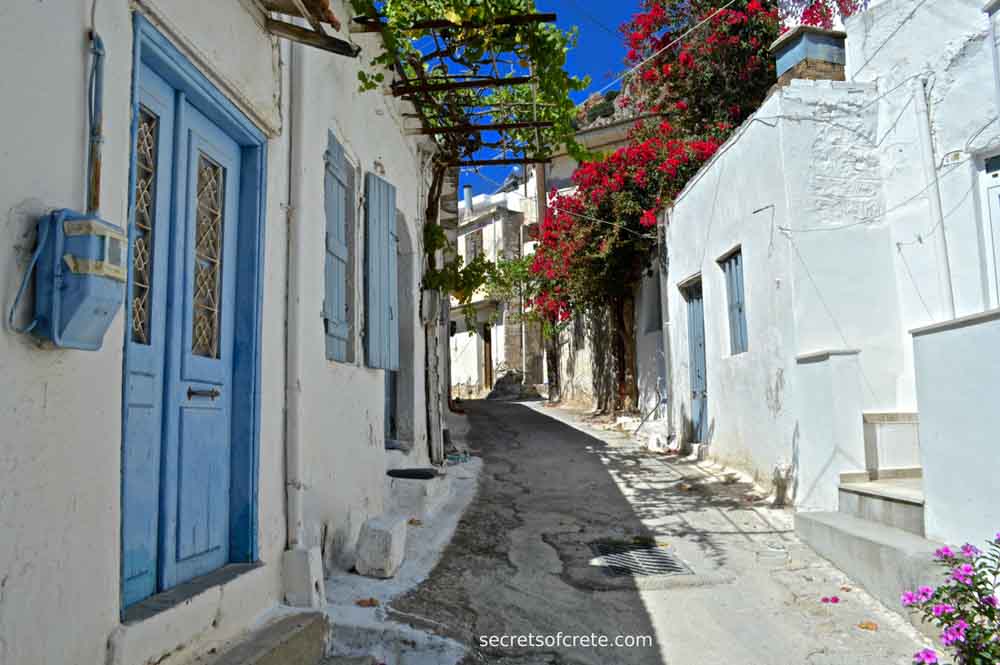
521 561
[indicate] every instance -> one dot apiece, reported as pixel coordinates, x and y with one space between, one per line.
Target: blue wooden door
197 446
696 345
179 364
146 342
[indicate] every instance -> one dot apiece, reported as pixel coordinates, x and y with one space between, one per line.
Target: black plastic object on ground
413 474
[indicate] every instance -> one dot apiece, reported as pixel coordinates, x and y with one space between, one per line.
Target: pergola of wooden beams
450 117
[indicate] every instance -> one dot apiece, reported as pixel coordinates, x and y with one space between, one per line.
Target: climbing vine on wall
464 63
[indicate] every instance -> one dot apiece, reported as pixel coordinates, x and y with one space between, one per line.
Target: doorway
189 447
696 347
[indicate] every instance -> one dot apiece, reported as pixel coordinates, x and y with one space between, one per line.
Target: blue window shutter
392 294
337 204
380 208
733 269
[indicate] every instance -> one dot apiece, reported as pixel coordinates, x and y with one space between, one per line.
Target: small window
652 305
732 267
473 245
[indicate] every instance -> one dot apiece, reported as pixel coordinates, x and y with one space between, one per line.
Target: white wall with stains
60 411
826 192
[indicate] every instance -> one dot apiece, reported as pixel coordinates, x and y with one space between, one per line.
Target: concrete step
897 503
884 560
299 639
350 660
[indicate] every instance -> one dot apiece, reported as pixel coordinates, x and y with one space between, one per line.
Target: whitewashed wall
798 190
61 411
958 369
751 419
893 45
343 404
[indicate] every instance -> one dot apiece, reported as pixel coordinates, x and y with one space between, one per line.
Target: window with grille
732 267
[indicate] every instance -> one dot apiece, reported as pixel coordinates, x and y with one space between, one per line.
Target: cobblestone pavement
522 562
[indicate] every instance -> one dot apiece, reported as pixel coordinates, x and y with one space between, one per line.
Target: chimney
809 53
467 195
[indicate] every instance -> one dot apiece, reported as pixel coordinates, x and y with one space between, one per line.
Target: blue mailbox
80 275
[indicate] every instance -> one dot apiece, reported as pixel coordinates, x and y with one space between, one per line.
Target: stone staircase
299 639
876 535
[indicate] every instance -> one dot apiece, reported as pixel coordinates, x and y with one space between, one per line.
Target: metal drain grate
623 559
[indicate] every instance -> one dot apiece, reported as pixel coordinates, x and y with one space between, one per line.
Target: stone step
420 499
299 639
897 503
350 660
884 560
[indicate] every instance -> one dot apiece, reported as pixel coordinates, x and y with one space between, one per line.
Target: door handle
211 394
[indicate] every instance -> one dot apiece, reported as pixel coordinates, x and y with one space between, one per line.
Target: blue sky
599 54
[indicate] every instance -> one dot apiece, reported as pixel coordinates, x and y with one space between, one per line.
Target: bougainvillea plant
820 13
965 607
597 242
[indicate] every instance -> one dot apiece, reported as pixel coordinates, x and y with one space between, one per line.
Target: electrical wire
672 43
623 227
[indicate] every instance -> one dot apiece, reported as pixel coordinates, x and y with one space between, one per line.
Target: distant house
227 441
492 226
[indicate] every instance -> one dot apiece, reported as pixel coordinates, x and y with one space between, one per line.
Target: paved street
521 561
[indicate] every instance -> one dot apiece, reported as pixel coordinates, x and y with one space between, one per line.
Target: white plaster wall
829 438
752 417
841 247
466 368
891 45
958 378
650 365
60 411
342 404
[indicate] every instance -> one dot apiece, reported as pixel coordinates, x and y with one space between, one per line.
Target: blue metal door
179 359
696 344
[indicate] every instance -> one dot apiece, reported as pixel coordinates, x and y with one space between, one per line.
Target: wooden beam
402 89
311 38
500 162
471 129
314 9
363 24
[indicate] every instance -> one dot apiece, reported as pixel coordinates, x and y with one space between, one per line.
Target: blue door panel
696 343
145 347
197 445
203 488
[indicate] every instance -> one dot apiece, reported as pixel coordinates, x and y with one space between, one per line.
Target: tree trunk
627 393
552 350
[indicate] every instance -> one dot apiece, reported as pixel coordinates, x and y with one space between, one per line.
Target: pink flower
926 657
942 609
990 601
997 539
954 633
970 551
925 593
963 574
833 600
909 598
945 553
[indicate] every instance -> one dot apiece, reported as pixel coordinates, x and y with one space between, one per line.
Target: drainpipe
934 194
297 248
